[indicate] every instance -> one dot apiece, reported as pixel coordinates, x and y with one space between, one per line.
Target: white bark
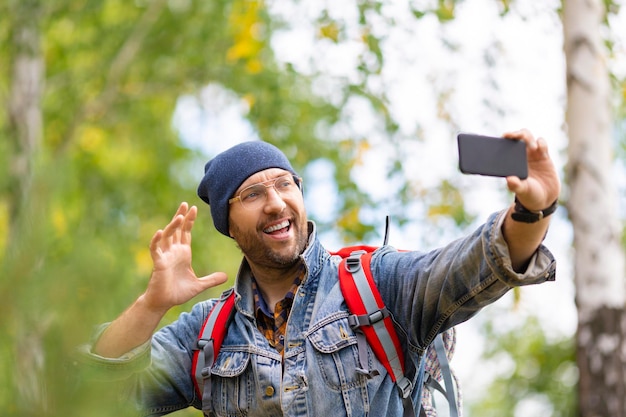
24 108
599 255
599 260
26 122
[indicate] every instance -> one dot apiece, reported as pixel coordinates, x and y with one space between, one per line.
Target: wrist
145 304
524 215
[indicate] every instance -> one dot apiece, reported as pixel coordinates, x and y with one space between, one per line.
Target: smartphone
496 157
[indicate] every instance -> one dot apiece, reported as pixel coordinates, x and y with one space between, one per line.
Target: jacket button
269 391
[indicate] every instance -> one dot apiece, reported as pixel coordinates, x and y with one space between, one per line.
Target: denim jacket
426 293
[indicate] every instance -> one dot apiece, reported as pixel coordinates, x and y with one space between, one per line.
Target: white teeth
278 226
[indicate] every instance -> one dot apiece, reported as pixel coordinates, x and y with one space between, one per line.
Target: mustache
266 221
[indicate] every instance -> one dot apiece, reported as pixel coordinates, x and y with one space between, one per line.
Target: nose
274 203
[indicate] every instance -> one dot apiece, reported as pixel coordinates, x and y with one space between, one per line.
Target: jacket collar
313 258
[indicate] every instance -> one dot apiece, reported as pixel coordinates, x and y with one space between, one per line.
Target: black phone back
497 157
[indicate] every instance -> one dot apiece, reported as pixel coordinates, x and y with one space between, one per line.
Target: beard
259 253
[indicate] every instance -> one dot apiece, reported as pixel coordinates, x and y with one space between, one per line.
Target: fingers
190 218
542 185
182 209
523 135
537 147
171 232
178 230
154 242
542 147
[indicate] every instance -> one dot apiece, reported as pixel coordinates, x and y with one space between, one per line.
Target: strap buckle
405 387
201 343
356 321
353 262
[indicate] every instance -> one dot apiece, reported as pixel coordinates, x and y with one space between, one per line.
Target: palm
173 280
543 185
543 182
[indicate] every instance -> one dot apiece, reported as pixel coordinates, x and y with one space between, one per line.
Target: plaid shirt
273 325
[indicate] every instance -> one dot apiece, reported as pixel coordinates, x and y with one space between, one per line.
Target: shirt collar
260 305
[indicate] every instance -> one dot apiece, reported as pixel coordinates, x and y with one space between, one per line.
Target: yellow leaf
59 222
91 139
143 261
249 99
439 210
244 48
349 219
330 31
254 66
362 148
247 26
446 10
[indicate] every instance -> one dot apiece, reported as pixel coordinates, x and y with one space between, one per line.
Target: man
289 349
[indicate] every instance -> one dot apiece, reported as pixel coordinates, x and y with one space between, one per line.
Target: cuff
541 267
122 367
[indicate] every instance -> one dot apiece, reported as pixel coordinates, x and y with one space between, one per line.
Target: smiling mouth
282 226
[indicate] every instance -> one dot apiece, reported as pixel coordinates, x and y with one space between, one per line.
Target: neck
274 283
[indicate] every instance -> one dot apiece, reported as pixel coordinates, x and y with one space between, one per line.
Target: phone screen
492 156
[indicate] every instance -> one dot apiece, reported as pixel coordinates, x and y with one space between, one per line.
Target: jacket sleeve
156 375
429 292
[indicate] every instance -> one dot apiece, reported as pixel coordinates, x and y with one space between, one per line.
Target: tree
535 369
92 167
26 128
91 162
591 204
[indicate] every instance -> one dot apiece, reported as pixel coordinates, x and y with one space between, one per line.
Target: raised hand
172 282
173 279
537 192
542 187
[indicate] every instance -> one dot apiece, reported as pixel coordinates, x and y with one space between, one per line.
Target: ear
230 229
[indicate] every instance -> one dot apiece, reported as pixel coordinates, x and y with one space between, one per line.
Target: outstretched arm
172 282
537 192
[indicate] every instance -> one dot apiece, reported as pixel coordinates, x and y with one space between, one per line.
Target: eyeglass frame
297 180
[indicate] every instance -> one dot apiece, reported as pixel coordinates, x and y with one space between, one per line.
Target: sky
524 87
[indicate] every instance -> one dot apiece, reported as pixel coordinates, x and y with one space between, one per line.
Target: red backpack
373 325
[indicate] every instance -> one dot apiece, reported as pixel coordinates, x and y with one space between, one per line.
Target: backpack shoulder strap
210 341
372 322
439 371
373 325
446 373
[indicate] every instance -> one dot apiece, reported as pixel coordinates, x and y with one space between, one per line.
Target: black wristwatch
522 214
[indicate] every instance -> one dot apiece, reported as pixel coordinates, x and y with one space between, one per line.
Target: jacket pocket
232 383
336 354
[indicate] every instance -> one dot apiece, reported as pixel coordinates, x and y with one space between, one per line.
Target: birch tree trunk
599 256
25 132
24 105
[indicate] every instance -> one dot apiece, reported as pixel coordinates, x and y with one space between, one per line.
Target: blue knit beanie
228 170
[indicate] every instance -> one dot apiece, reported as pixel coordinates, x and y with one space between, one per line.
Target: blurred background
111 108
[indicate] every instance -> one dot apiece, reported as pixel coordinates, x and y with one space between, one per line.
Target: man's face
275 233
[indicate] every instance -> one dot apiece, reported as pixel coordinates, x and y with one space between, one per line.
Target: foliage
111 168
533 367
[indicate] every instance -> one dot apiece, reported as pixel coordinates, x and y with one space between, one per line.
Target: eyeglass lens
256 195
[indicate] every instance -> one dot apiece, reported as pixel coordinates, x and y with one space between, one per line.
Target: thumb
213 280
515 185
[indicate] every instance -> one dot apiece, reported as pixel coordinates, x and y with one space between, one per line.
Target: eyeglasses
255 196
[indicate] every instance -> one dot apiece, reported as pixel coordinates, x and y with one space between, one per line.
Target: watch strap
522 214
